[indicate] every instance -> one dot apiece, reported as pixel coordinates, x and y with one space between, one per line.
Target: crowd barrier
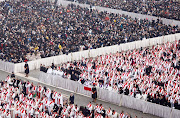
110 96
133 15
7 66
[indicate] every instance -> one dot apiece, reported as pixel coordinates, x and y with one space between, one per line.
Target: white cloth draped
133 103
80 55
175 113
109 96
158 110
7 66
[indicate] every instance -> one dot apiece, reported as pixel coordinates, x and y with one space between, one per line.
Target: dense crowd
32 29
161 8
21 99
151 74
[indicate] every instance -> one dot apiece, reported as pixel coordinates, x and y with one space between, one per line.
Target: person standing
26 67
12 75
94 93
71 99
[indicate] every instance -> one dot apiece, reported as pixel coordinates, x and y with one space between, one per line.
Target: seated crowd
161 8
32 29
151 74
21 99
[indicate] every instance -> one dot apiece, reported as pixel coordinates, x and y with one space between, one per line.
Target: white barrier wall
133 15
7 66
110 96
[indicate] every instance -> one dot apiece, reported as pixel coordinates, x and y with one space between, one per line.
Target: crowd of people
151 74
22 99
33 29
169 9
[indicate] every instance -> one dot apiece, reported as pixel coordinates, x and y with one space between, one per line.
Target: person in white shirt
71 113
49 71
114 114
50 105
54 72
3 113
138 95
60 73
64 111
12 108
60 99
54 96
80 115
8 115
22 113
76 110
89 106
48 94
109 112
122 115
109 87
98 116
8 79
144 96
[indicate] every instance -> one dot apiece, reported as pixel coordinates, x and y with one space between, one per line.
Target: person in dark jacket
71 99
60 109
41 68
126 92
26 67
12 75
94 93
120 90
55 108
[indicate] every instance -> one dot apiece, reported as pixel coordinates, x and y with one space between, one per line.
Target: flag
87 88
